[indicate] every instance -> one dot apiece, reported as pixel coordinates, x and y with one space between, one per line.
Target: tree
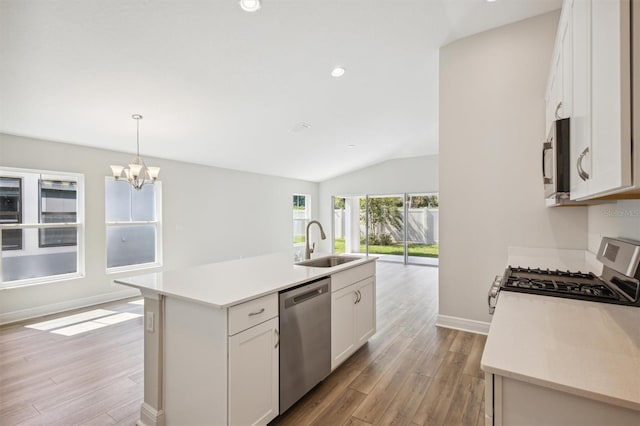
382 211
422 201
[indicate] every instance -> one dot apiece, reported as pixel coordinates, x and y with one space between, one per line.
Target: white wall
415 174
491 129
196 200
618 219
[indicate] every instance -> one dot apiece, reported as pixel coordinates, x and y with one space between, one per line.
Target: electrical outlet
150 322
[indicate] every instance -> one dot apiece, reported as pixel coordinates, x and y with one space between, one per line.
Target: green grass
300 239
420 250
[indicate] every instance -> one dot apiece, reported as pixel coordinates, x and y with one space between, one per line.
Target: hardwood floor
92 378
410 372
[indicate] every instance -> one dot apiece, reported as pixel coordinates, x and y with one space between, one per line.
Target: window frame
79 224
158 224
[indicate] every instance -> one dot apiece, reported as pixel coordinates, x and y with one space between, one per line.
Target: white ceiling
223 87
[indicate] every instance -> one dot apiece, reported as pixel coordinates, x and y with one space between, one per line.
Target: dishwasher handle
308 295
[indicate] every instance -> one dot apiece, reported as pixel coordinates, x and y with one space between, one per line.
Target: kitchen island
212 335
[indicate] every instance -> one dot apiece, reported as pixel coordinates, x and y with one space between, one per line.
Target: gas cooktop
573 285
618 284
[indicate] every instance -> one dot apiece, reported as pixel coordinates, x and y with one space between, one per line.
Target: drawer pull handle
277 338
256 313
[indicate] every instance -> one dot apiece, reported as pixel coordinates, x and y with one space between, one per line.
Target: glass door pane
422 228
385 227
348 224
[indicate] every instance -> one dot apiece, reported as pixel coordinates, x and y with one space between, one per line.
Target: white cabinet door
365 311
253 375
610 97
353 319
567 65
580 125
342 325
554 95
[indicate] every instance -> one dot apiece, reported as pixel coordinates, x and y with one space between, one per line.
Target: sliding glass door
422 228
385 235
398 227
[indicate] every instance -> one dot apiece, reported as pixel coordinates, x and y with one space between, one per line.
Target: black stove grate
567 284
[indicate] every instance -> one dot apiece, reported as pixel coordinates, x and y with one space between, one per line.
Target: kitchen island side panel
195 374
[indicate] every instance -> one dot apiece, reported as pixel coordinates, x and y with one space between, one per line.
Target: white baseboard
54 308
149 416
472 326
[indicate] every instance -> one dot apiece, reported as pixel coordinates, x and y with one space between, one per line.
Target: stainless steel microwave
556 163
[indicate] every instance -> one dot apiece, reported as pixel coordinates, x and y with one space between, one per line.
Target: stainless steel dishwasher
305 339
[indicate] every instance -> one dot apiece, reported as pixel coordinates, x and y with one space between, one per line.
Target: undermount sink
328 261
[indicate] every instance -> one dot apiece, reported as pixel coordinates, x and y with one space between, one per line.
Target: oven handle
492 295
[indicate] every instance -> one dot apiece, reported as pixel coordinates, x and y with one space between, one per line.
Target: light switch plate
150 322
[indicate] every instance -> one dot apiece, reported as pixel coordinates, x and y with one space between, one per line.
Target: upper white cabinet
593 55
579 14
559 88
610 148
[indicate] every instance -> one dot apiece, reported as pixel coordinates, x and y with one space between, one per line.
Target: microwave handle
545 147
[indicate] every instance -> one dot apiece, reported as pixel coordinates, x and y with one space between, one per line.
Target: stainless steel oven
556 163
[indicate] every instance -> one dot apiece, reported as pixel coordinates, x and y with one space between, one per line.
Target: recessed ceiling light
490 1
351 145
250 5
337 72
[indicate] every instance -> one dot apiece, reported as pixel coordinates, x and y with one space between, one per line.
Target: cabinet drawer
253 312
342 279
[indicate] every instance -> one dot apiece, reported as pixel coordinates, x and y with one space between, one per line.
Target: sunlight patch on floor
70 319
95 324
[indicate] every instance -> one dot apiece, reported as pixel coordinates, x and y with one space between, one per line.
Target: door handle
277 333
581 172
546 147
359 296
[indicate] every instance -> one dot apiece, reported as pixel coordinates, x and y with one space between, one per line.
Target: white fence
422 226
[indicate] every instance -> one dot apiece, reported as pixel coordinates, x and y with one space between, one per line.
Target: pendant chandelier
137 173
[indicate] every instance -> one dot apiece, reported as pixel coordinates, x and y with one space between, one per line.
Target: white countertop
585 348
228 283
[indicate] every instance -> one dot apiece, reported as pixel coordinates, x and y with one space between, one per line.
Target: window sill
40 281
133 268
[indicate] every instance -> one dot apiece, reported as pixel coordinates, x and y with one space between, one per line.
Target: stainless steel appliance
556 163
618 284
305 339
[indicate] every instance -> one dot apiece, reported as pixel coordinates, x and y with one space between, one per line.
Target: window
58 203
41 222
133 225
301 217
11 211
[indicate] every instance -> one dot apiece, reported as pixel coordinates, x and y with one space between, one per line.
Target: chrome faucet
308 250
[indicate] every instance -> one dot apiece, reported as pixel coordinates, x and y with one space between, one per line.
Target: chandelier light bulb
250 5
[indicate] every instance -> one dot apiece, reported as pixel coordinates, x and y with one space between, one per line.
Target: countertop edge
317 274
624 403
